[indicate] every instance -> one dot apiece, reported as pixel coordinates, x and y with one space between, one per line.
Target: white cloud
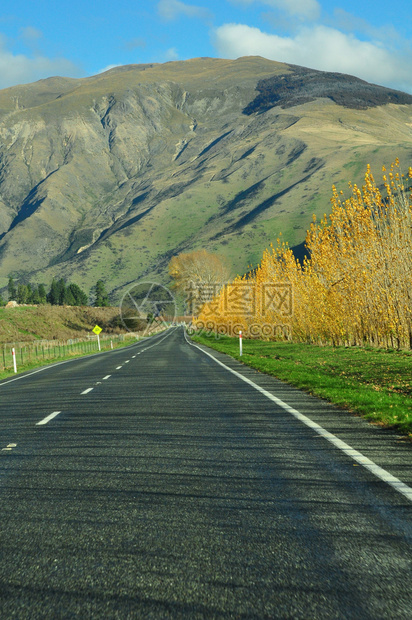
307 9
319 47
172 9
137 42
172 54
107 69
21 69
345 21
30 34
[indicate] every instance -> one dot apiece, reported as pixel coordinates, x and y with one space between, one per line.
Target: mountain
109 176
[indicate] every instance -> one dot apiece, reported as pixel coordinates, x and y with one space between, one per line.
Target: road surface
152 482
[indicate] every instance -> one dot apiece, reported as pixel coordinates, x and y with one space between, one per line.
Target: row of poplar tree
59 294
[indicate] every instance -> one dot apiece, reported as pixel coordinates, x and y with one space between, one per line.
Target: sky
79 38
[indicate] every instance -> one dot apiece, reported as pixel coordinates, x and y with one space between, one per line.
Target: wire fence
45 350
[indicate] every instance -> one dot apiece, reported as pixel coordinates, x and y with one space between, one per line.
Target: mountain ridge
111 175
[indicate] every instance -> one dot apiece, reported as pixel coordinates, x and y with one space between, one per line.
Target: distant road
152 482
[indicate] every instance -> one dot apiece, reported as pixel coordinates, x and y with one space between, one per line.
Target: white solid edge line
379 472
48 418
86 391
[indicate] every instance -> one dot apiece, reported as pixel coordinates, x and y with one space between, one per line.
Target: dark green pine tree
69 299
11 290
29 294
22 294
35 297
42 294
102 298
79 296
2 302
53 294
61 284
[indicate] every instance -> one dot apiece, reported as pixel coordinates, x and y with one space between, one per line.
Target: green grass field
30 355
376 384
46 334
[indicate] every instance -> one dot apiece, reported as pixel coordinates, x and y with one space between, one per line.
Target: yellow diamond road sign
97 329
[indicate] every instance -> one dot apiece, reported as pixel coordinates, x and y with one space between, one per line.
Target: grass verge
68 352
374 383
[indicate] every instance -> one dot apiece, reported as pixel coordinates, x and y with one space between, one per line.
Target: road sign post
97 330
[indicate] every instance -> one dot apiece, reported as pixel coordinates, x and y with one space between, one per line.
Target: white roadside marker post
111 344
98 341
13 352
240 343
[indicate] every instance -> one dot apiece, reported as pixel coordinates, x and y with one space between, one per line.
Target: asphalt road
173 489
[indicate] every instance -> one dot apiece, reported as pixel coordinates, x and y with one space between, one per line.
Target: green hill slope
108 177
31 323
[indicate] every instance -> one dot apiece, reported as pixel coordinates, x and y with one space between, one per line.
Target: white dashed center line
119 367
106 377
48 418
87 391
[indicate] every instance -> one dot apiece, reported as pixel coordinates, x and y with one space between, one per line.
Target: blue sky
81 38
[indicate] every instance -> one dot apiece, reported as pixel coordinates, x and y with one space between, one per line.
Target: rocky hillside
108 177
